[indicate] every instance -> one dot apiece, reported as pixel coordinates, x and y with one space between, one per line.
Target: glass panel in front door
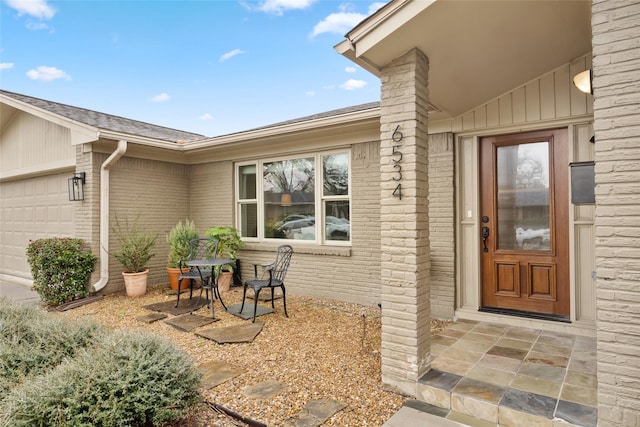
523 197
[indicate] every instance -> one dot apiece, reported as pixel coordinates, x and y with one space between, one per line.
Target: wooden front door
524 223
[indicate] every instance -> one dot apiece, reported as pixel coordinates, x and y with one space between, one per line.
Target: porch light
583 81
76 186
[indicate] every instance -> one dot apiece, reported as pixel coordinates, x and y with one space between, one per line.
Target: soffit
477 49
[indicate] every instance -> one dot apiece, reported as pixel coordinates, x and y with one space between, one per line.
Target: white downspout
104 214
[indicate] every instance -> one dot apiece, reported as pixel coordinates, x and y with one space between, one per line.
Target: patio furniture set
203 265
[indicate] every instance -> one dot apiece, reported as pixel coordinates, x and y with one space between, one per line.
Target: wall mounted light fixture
76 186
583 81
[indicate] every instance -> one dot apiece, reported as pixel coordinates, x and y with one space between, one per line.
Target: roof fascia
286 129
377 27
137 139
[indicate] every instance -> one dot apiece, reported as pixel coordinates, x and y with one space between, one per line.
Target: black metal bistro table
213 285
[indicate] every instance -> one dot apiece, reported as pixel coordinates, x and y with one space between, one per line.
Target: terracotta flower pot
173 274
135 283
224 281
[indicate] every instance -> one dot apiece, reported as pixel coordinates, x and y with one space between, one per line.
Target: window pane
289 199
336 223
247 182
335 171
523 197
249 220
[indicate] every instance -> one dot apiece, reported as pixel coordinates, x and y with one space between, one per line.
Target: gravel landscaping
324 350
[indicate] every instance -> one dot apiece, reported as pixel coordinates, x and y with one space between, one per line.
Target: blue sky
210 66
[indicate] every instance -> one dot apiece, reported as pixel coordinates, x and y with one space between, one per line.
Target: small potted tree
229 242
179 239
135 249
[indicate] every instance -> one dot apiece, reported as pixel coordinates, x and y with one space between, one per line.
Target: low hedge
61 268
118 378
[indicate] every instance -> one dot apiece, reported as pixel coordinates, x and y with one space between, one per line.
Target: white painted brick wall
159 193
442 225
616 65
405 266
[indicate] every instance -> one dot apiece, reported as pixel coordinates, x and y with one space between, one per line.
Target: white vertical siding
31 144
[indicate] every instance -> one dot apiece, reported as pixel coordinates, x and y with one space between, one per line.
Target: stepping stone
247 313
233 334
315 413
150 318
215 373
188 322
263 390
185 306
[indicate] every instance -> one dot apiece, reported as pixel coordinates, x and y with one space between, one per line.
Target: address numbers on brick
396 157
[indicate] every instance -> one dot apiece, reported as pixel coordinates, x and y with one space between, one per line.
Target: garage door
31 209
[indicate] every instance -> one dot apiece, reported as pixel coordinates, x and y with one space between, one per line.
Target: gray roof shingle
107 121
135 127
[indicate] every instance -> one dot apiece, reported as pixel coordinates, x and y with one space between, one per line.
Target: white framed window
282 198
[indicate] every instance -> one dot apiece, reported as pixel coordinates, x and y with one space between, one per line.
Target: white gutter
104 213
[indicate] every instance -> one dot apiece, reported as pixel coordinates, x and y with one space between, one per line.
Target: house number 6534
396 157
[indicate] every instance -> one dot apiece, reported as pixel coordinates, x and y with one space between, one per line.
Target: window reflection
289 199
523 196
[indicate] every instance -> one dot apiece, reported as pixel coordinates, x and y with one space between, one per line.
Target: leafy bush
136 245
114 378
61 268
33 342
229 242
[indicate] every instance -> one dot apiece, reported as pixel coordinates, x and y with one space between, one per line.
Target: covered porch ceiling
477 49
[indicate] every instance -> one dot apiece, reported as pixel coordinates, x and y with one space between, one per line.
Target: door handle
485 236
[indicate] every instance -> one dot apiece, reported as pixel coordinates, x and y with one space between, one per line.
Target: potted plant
135 245
229 242
179 239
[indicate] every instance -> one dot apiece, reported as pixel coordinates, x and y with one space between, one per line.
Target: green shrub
61 268
128 379
135 245
33 342
179 239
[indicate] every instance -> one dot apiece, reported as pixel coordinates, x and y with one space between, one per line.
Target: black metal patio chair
200 249
277 271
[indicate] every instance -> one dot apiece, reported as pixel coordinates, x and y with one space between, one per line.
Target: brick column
616 111
404 222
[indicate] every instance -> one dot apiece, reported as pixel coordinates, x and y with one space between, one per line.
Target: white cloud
231 54
310 93
353 84
206 117
47 74
338 23
36 8
278 7
6 65
344 21
161 97
350 69
37 26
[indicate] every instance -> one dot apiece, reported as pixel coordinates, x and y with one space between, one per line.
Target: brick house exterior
418 255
